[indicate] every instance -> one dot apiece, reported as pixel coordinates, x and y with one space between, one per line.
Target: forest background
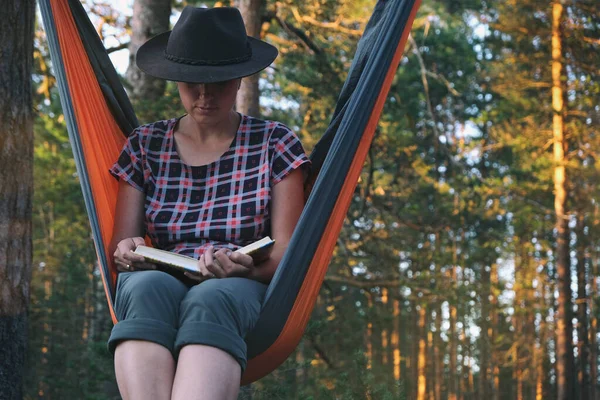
468 264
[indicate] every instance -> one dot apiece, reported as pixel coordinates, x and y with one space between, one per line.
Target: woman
202 185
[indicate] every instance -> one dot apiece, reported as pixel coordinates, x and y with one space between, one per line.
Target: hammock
99 118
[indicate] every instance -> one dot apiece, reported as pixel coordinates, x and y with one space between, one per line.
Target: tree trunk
494 326
150 17
396 339
594 346
594 295
413 363
452 337
438 354
484 342
421 359
542 370
16 187
369 333
564 326
248 95
583 344
430 365
466 377
539 361
384 332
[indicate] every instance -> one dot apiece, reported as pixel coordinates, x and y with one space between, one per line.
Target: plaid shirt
225 203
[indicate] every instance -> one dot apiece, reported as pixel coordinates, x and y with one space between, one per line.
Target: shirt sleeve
286 153
129 164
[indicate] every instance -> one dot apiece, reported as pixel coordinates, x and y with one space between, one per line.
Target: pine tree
16 185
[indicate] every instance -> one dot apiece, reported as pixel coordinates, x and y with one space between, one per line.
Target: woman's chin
207 115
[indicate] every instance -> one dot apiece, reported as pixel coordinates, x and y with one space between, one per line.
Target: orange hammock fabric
102 140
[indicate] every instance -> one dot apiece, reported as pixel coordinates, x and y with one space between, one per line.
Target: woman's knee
233 302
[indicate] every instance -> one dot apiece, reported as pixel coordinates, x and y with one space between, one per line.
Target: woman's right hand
126 260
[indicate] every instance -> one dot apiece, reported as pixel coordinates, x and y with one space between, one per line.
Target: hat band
191 61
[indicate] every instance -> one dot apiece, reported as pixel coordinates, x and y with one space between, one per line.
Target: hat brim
150 59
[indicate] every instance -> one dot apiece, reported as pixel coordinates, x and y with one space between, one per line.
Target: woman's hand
203 273
126 260
224 263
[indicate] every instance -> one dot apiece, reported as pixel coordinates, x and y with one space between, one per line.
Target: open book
259 250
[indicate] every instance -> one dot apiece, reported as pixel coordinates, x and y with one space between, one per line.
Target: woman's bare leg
144 370
206 373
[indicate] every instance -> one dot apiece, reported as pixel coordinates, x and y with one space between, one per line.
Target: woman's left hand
224 263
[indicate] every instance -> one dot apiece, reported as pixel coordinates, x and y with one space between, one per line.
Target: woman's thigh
149 294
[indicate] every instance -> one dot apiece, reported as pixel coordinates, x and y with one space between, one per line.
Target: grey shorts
154 306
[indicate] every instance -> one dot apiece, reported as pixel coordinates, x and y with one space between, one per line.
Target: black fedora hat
206 45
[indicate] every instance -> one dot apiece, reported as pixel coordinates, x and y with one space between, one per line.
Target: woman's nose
202 89
206 89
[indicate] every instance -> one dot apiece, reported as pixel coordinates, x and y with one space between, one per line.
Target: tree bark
384 332
150 17
396 340
438 351
593 342
540 352
594 295
16 187
430 365
564 326
494 327
369 334
422 356
484 346
249 94
583 353
452 337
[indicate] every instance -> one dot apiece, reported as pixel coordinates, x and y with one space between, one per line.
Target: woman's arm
128 229
287 202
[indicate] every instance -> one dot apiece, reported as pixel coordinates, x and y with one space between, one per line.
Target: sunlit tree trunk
430 365
466 380
149 18
519 379
405 345
470 376
583 378
541 348
564 326
422 357
594 295
452 335
396 339
495 357
526 349
369 333
413 362
517 318
438 354
539 365
384 332
249 94
16 189
484 342
594 342
530 368
452 373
